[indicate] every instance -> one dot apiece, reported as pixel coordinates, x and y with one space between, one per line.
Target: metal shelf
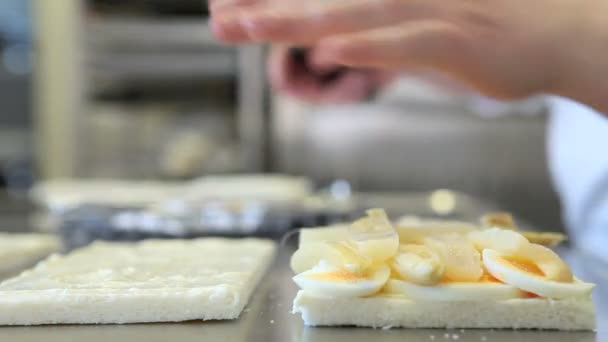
151 34
88 57
170 66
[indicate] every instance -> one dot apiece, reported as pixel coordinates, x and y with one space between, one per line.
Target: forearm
585 77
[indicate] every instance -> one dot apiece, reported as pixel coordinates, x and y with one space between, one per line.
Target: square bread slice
150 281
396 312
20 251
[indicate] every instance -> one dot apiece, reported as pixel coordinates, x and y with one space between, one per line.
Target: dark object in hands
300 58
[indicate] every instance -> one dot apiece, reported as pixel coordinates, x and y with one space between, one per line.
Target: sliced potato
414 232
499 220
461 259
319 234
418 264
374 236
549 239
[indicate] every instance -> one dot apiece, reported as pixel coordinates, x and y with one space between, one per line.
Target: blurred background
140 90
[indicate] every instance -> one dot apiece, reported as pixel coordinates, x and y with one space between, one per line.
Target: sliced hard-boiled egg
374 236
462 261
512 244
456 291
418 264
529 277
337 253
328 280
551 265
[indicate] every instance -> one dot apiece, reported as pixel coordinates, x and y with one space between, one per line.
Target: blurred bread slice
150 281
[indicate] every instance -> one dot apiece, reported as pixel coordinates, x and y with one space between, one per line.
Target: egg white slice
461 291
507 272
331 281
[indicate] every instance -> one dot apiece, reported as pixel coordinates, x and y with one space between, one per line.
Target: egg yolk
531 295
526 266
486 278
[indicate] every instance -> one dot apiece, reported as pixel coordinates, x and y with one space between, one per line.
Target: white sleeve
577 144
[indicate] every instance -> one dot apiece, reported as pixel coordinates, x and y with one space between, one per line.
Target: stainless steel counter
267 318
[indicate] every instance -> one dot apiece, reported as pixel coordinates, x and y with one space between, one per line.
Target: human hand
294 73
503 48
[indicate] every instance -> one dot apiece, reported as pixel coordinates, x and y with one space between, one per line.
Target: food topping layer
443 261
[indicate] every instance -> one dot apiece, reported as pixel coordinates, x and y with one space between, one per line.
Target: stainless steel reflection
417 146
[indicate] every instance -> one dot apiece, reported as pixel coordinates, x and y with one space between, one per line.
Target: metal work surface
268 318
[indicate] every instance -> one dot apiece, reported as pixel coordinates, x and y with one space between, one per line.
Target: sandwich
433 274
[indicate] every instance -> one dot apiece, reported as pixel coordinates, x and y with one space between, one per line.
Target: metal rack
115 90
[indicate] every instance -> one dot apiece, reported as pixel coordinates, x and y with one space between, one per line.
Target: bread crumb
483 338
432 337
446 335
455 336
272 321
387 327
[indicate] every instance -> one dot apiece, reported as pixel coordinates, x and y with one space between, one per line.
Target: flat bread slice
150 281
398 312
20 251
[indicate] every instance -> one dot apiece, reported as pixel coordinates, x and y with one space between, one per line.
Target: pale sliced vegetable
499 220
415 232
418 264
320 234
330 281
505 241
374 236
546 239
510 273
338 253
462 261
480 291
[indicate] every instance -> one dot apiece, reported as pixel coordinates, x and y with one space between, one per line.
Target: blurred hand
299 77
503 48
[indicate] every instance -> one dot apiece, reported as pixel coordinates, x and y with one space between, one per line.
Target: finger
279 67
288 76
382 77
294 80
216 6
354 86
223 23
309 21
228 30
426 44
320 65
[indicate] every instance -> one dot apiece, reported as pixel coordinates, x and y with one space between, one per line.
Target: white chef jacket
578 159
